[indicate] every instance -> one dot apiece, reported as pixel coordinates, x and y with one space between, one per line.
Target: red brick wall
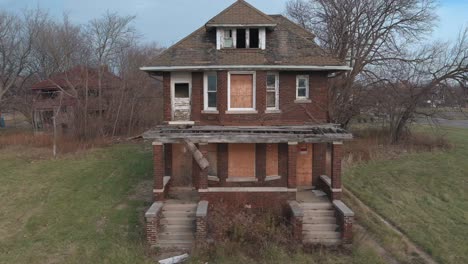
319 162
167 96
292 113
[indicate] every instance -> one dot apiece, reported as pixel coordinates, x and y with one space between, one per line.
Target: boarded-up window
241 91
212 158
304 165
241 160
272 160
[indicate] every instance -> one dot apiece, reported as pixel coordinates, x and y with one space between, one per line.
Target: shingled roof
288 46
243 13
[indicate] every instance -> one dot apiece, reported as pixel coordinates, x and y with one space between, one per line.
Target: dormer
241 26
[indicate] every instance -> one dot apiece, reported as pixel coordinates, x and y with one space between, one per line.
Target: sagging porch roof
248 134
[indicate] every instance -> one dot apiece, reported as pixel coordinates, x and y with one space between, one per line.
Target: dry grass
373 144
65 144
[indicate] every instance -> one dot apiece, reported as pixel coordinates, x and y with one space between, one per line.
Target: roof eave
329 68
239 25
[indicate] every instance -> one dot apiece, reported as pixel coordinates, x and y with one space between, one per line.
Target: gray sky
167 21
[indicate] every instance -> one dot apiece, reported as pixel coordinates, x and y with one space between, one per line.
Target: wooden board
304 165
272 160
241 161
181 166
212 158
241 91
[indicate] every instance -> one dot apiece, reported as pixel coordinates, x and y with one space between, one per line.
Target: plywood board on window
304 165
241 160
241 91
212 158
272 160
181 166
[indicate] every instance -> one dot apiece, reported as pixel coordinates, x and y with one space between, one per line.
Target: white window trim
220 37
205 92
276 107
254 76
307 87
180 77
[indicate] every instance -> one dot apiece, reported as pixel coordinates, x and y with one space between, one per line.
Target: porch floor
306 195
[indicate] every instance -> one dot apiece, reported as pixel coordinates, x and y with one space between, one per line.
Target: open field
423 194
88 207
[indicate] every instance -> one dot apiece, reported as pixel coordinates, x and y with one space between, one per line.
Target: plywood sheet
241 160
181 166
212 158
272 160
241 91
304 165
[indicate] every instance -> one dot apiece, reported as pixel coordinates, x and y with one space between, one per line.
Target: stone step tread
319 213
177 226
309 236
177 221
322 241
319 227
178 213
169 237
174 242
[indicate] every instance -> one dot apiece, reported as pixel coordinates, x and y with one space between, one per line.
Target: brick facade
319 162
292 113
337 152
292 159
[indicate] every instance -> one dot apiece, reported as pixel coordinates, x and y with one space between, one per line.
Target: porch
254 167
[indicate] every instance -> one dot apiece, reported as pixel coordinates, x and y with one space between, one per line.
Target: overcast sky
167 21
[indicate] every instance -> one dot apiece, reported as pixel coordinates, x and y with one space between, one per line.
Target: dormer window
241 38
228 38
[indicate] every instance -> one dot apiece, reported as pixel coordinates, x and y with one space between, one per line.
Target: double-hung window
302 87
210 91
272 91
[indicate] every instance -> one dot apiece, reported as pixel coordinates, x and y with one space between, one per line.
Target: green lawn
423 194
87 208
75 209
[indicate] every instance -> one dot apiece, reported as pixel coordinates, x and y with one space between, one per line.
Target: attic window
241 38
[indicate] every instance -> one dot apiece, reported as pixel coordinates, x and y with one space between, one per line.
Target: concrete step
319 213
312 206
319 227
178 228
321 235
173 243
187 214
177 221
176 236
319 220
180 207
325 242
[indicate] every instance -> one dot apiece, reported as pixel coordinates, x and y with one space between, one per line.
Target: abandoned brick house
62 92
246 126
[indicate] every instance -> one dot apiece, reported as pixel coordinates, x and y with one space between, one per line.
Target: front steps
177 225
319 224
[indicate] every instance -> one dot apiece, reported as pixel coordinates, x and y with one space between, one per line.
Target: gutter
248 67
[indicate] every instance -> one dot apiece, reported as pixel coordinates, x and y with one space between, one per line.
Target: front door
181 102
304 165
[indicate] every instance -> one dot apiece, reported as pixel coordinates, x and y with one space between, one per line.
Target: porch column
260 161
168 159
196 172
223 159
292 164
203 174
319 162
158 167
337 153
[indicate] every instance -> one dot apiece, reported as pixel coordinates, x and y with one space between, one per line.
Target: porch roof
248 134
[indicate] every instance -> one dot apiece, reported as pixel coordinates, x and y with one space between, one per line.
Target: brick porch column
337 153
223 159
203 174
168 159
292 164
195 173
260 161
158 168
319 162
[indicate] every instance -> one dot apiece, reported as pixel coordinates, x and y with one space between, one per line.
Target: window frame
254 88
227 38
276 107
205 91
307 96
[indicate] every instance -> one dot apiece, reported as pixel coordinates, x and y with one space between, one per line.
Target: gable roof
243 13
77 77
288 47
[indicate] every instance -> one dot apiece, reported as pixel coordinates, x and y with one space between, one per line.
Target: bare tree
17 37
109 35
365 33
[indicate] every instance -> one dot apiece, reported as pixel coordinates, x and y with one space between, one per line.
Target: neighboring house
64 94
246 112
